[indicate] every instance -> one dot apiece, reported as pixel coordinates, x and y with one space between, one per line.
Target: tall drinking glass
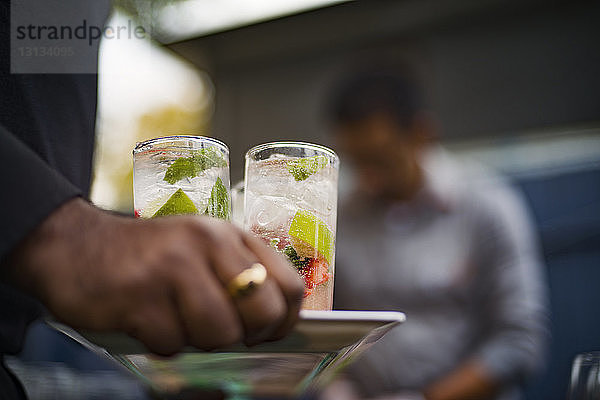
291 202
585 377
177 175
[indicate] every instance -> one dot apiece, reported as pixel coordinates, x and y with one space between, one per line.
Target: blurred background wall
494 69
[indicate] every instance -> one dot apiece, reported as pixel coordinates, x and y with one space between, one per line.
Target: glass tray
321 344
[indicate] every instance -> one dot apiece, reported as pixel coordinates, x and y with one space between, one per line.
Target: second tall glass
291 202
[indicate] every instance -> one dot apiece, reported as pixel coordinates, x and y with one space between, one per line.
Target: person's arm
162 281
470 380
513 309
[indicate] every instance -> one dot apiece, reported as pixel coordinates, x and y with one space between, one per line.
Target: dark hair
392 91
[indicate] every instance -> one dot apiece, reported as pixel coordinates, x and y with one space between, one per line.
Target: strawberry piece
320 271
137 213
315 273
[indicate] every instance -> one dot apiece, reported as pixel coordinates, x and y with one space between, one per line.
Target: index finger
287 278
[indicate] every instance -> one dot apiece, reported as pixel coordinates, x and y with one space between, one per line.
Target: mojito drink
291 202
179 175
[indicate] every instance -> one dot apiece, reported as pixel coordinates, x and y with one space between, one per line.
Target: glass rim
139 146
292 144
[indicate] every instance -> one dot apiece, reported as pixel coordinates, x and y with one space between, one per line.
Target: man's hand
162 280
343 389
469 380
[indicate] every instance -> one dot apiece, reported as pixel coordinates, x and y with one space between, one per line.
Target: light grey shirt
461 261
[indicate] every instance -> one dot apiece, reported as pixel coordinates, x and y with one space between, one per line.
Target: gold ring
247 281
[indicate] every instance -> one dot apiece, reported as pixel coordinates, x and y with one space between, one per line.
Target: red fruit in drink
315 273
319 271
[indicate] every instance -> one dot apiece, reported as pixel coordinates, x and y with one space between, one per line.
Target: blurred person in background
162 281
447 243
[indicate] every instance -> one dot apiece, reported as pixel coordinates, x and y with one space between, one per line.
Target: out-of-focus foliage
115 166
145 91
145 11
171 120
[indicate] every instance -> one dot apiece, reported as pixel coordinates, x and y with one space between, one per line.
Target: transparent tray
321 344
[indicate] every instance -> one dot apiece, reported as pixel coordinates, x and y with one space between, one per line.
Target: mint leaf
305 167
182 168
298 262
188 167
218 203
208 158
178 204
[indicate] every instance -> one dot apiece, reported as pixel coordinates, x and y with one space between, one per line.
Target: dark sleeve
31 190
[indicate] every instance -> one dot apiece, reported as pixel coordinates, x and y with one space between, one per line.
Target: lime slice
179 203
307 229
303 168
